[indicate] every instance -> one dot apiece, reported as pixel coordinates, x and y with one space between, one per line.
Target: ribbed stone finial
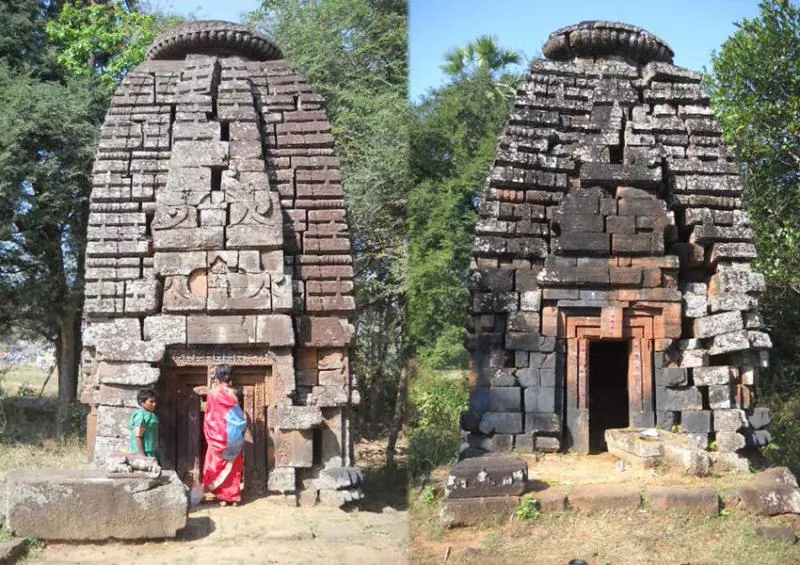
213 38
604 39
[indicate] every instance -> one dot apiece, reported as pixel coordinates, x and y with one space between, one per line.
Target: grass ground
26 380
619 537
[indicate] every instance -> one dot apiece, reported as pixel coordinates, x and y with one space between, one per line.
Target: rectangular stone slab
487 476
63 504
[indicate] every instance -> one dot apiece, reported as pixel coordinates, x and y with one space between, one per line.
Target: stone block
757 438
112 421
773 492
169 330
199 154
679 398
600 498
44 503
716 324
720 396
114 395
541 399
776 532
275 330
120 329
729 420
546 443
282 480
671 376
323 332
455 512
294 448
696 421
501 423
189 239
298 417
127 374
487 476
221 330
178 263
716 375
729 342
523 322
130 350
142 296
698 501
538 422
730 441
759 418
505 399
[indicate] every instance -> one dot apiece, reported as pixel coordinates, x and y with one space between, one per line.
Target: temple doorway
183 446
608 390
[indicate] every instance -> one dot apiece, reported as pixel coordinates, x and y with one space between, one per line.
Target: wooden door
253 385
181 422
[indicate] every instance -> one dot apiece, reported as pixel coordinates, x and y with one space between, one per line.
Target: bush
435 402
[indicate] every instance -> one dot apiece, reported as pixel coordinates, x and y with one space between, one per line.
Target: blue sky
693 28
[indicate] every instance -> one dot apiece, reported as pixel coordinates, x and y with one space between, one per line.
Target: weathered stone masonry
613 212
217 234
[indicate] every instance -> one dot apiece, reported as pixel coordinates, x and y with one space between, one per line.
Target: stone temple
217 234
610 280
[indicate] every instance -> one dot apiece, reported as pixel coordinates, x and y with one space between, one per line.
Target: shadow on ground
197 527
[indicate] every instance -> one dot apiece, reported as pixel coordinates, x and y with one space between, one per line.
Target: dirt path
258 532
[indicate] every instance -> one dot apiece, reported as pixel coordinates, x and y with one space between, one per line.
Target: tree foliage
353 52
754 86
104 39
453 141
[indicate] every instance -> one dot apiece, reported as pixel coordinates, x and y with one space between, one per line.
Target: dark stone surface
487 476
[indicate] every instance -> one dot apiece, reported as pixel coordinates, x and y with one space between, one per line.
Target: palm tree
484 56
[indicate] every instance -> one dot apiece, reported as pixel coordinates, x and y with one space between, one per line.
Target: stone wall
613 200
217 220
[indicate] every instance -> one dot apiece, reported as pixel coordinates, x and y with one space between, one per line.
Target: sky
692 28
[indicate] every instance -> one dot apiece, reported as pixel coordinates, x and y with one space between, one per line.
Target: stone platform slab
471 511
89 505
488 475
699 501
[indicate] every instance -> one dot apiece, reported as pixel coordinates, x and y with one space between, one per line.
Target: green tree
354 52
453 141
105 39
52 110
754 86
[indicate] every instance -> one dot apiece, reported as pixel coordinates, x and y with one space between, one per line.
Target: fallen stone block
471 511
487 476
700 501
45 504
597 498
781 533
774 492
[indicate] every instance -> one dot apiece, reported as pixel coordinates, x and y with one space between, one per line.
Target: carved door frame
614 324
254 370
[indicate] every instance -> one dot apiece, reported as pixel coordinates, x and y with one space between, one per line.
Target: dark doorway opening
608 390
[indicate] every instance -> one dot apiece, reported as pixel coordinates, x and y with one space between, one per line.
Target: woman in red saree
223 427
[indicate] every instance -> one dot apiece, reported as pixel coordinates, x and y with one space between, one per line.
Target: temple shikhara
217 235
611 284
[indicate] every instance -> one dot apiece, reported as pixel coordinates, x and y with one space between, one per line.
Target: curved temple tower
217 234
611 282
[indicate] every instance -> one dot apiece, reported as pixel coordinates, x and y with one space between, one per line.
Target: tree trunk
399 413
67 359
